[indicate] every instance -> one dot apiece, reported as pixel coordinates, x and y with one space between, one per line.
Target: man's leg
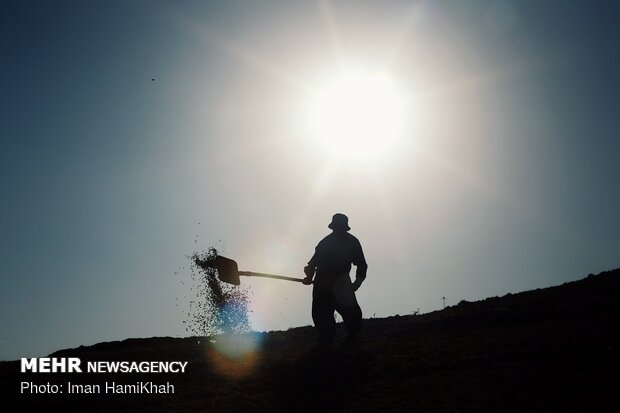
348 307
323 316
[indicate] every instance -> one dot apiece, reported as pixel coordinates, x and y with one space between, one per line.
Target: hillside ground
553 349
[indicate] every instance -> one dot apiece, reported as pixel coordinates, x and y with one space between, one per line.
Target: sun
357 116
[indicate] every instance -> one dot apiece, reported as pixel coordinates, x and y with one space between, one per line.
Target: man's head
340 223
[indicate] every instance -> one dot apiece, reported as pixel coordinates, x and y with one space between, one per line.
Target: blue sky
505 179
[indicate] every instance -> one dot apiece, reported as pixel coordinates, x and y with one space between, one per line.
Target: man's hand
356 284
309 271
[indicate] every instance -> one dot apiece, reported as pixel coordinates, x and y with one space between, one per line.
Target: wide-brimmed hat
339 221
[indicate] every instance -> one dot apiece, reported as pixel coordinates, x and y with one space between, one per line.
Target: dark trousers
337 297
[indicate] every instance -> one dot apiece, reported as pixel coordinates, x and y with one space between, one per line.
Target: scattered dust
218 307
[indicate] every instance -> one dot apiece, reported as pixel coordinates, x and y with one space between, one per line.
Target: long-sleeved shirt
333 257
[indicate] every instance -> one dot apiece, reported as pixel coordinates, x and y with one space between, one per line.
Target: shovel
228 271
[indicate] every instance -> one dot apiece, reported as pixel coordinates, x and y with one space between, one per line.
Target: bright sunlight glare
357 116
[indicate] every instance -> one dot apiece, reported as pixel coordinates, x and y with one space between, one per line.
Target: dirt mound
544 350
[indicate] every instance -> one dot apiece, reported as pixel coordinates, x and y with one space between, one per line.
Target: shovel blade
227 270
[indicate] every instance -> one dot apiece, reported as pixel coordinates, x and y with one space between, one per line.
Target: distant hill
551 349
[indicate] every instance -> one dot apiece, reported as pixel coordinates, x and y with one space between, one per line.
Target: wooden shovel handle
277 277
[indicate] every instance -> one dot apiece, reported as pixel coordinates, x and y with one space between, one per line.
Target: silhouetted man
333 290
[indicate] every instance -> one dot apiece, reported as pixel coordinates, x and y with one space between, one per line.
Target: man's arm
360 275
311 268
362 267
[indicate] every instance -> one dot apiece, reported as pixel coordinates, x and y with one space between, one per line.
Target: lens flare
235 355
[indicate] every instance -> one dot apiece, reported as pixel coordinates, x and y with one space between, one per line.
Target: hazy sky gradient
507 179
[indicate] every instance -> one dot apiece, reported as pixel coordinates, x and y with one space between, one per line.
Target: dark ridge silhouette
551 349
